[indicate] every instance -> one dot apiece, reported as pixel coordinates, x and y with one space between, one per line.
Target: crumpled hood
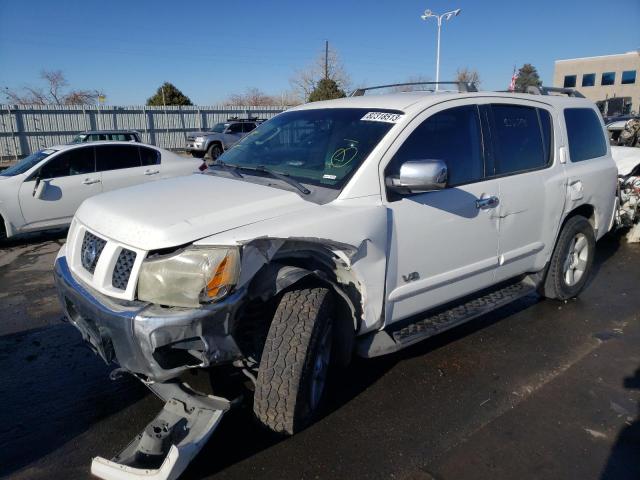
180 210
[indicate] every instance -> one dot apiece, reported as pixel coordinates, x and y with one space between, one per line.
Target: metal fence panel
25 129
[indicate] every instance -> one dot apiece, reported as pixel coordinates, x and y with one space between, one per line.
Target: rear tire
295 361
3 230
571 261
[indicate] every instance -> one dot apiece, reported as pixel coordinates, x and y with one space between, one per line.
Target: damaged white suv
361 225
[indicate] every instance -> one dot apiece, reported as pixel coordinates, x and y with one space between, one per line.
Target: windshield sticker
329 177
382 117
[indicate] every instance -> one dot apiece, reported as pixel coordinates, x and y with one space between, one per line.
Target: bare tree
468 75
53 93
254 97
412 88
326 65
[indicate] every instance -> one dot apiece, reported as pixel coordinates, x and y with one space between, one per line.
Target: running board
394 339
170 441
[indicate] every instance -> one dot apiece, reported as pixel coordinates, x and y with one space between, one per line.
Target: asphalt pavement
536 390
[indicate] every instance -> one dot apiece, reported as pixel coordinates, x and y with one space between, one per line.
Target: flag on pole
514 77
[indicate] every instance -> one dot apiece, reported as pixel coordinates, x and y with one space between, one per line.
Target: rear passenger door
121 166
531 184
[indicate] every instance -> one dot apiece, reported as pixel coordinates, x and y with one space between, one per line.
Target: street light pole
446 16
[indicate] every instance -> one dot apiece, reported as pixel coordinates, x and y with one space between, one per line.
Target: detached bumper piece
170 441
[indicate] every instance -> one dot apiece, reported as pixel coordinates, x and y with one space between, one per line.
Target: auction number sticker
382 117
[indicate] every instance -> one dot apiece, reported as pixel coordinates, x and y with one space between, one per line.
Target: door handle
90 181
487 203
151 172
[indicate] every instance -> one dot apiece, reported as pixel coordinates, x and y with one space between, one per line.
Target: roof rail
462 87
570 92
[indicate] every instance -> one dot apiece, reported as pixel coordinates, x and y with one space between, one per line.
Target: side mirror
419 176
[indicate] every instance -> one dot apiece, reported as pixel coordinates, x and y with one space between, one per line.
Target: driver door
444 242
67 179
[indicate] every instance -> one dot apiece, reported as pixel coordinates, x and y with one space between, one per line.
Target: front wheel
295 361
571 261
197 154
214 151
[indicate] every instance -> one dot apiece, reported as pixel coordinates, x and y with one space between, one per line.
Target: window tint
518 138
248 126
569 81
113 157
588 79
120 137
628 76
608 78
235 128
149 156
452 136
74 162
546 126
586 136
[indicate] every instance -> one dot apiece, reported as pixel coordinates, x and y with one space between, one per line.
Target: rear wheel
295 361
3 230
571 261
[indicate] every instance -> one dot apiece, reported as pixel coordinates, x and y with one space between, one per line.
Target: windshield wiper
280 176
225 166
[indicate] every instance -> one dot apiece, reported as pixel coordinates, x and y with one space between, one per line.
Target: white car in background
45 189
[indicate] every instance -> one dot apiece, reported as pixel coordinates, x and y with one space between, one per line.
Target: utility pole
326 59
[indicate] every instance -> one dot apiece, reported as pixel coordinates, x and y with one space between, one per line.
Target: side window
235 128
248 126
518 138
149 156
586 135
114 157
119 137
450 135
73 162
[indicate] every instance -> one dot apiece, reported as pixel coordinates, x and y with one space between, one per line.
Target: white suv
362 224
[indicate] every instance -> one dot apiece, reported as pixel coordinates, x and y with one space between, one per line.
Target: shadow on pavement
624 460
53 389
33 238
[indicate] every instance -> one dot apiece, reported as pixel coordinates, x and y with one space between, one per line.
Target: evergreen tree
527 75
326 89
172 96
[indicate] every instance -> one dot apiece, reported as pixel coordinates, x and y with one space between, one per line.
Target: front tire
571 261
215 150
295 361
196 154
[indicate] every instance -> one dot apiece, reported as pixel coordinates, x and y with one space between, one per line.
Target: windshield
320 147
79 138
26 163
218 128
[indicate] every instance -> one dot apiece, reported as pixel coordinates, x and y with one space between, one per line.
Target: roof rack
462 87
570 92
248 119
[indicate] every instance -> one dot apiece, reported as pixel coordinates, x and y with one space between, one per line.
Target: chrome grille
122 270
91 249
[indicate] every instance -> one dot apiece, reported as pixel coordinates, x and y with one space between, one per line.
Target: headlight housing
194 276
199 139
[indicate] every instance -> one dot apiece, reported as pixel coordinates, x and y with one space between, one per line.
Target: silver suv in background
214 141
107 135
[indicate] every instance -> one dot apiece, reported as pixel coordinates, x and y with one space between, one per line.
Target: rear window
149 156
522 137
115 157
586 135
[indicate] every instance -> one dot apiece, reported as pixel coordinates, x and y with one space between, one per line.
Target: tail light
203 167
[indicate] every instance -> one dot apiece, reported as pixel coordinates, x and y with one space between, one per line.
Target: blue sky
210 49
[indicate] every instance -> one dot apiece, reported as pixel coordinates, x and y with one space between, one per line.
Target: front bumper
153 342
195 146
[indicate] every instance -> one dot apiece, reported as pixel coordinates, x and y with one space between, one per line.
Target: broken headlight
194 276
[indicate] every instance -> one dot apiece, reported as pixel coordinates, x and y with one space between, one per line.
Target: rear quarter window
585 134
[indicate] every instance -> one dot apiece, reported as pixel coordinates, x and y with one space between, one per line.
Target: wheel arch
297 267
